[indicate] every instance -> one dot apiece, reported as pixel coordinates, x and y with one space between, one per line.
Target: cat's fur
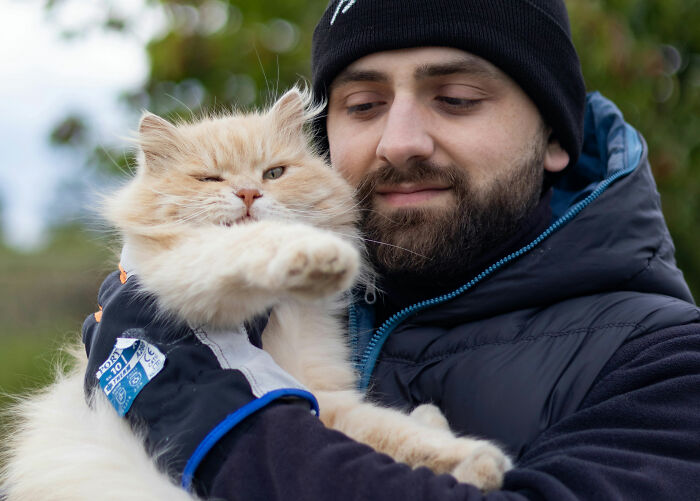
216 241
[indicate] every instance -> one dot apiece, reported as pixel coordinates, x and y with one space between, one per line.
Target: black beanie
529 40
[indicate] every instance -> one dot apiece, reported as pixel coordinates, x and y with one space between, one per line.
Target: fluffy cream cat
229 216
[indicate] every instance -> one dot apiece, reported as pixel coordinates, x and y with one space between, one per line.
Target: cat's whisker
182 103
368 194
180 201
355 236
384 216
394 246
277 82
302 215
304 210
189 196
194 215
129 169
346 207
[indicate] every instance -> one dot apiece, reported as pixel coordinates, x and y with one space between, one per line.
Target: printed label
128 369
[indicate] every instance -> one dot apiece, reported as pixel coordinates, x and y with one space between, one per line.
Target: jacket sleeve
636 436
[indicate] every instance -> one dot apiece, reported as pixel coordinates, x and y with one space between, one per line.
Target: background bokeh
177 57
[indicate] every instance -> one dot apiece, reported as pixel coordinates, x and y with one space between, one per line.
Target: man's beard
433 242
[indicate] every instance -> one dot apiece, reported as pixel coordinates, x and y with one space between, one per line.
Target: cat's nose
248 196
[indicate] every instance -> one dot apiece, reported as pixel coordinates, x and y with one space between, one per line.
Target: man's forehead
418 63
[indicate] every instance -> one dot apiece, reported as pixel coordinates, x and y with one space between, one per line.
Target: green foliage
645 56
55 286
228 53
44 298
28 362
70 131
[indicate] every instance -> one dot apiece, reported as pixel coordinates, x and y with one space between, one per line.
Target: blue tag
128 369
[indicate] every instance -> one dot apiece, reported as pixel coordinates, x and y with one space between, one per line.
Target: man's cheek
352 172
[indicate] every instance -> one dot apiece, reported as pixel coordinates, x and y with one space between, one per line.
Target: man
528 286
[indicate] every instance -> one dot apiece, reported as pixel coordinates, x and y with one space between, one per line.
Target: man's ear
556 158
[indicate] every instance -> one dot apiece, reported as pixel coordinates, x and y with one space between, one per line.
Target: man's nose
405 136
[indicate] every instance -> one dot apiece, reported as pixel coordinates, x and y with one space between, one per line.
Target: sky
45 77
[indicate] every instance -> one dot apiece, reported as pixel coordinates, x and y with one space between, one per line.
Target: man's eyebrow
349 76
467 66
463 65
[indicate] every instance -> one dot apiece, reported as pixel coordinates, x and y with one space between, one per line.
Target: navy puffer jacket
580 353
529 335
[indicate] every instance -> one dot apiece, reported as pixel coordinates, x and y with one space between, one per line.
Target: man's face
447 153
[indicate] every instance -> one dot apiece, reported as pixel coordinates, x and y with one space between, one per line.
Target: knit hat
529 40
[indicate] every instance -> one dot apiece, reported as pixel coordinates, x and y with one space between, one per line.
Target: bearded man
526 278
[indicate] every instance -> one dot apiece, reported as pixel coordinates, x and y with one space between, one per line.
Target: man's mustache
414 172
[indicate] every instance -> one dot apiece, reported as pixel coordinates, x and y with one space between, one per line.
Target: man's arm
636 436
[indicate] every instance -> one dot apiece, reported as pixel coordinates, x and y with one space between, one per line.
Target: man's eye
210 179
360 107
274 172
458 102
363 109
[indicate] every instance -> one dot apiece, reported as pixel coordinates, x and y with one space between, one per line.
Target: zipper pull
371 291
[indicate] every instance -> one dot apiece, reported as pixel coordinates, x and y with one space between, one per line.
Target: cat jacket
579 353
141 353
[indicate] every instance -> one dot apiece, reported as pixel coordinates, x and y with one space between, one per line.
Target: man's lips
410 194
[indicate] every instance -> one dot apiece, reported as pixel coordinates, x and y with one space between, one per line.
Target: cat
229 216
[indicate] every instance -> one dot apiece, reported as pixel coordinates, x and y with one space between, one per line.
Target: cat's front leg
314 263
222 276
411 440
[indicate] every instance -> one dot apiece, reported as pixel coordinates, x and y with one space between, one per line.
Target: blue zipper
369 357
353 328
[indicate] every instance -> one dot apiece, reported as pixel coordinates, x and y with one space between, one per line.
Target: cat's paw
315 266
483 467
431 416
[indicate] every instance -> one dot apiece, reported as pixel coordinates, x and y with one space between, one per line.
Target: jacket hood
607 234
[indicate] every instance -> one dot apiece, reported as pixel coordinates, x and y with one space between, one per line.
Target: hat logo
342 8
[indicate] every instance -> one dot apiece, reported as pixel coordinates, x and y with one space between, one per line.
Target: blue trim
353 334
371 353
634 148
232 420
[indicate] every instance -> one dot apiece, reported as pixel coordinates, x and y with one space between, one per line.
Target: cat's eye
274 172
210 179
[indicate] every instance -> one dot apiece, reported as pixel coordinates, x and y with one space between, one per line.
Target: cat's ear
290 111
158 138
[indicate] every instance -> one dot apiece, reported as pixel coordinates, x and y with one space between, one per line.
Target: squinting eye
359 108
365 110
460 103
274 172
210 179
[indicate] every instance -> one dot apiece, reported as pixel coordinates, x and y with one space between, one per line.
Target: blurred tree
643 54
218 52
69 131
